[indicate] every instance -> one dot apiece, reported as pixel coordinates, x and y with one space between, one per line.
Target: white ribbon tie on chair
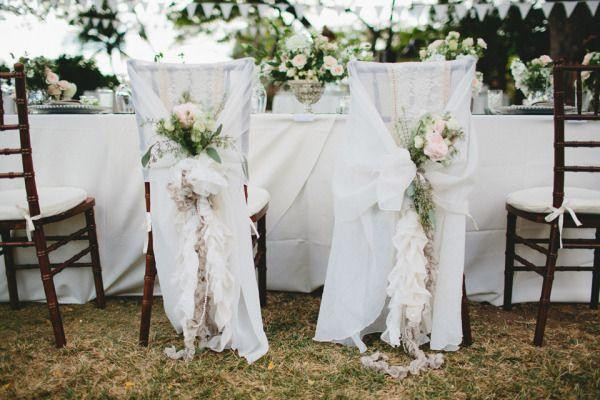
30 227
560 214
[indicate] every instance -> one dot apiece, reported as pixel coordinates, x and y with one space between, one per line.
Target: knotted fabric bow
30 227
560 214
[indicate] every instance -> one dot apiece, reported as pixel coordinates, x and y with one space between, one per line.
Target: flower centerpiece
306 63
591 80
192 129
533 78
453 48
59 89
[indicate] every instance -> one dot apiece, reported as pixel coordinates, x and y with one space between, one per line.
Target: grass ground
102 358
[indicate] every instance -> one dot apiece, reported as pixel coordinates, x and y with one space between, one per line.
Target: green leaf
146 156
212 153
218 132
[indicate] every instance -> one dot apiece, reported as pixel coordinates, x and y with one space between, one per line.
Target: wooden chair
33 208
258 203
533 205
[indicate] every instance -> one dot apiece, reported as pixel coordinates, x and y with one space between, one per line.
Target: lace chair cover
157 87
370 179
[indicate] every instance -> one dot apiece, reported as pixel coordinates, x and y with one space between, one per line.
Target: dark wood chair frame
40 241
260 262
549 246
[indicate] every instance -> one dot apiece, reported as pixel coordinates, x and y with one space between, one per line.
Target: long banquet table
294 160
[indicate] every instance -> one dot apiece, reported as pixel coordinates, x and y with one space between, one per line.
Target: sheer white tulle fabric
374 227
235 308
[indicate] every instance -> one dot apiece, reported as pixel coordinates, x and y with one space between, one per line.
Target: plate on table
67 107
535 109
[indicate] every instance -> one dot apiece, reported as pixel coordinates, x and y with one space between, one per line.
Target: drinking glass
494 99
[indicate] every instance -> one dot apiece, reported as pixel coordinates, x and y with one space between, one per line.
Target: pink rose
587 59
545 59
435 147
64 85
439 126
299 61
186 114
51 77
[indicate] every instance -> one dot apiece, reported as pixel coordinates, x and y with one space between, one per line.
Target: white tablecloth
294 161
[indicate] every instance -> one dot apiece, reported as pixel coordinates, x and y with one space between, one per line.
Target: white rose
423 54
299 61
419 142
337 70
199 124
468 42
435 44
297 42
586 59
545 59
481 43
453 45
329 61
291 73
453 124
453 35
282 67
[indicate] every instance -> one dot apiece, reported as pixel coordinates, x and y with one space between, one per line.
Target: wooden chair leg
149 277
596 275
262 264
509 259
95 255
547 285
465 317
48 283
11 273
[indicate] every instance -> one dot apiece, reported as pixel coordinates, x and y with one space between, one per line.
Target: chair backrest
157 87
23 127
561 73
409 89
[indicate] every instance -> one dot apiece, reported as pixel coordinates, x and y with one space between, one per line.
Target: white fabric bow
30 227
560 214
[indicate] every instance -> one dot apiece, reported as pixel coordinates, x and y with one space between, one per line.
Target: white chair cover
157 88
370 179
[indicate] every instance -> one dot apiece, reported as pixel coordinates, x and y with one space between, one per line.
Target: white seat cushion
539 200
53 200
257 199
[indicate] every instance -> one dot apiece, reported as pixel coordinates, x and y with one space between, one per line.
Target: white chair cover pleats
234 303
372 220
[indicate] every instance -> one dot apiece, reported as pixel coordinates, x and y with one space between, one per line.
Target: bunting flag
207 8
524 9
547 9
244 9
191 9
441 11
226 9
503 9
461 11
569 7
481 10
263 10
593 6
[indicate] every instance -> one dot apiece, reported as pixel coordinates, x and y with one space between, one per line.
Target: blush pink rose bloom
51 77
435 147
439 126
545 59
299 61
186 114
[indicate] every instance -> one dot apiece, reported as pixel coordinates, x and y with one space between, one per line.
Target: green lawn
102 358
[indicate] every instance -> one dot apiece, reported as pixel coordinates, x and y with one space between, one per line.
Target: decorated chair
558 206
200 240
386 272
33 208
